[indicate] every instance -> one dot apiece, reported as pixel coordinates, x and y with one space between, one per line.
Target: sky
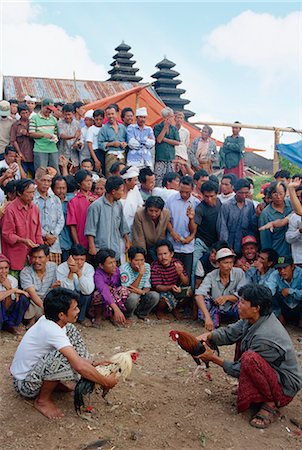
237 60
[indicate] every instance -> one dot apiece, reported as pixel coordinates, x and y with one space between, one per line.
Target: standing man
203 151
21 227
51 214
112 139
69 133
106 223
140 140
6 123
167 137
231 153
96 153
31 102
182 227
147 181
227 188
237 217
44 131
181 150
127 116
19 138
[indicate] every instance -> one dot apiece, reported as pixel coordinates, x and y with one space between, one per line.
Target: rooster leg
104 395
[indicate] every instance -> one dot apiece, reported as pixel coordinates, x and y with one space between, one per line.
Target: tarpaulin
292 152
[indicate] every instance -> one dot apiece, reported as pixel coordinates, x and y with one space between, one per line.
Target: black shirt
206 218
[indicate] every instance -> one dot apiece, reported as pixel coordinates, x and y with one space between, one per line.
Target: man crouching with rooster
52 352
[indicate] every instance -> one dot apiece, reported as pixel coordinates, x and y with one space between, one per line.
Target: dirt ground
155 409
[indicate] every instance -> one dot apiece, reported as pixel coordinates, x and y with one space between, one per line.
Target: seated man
135 275
37 280
267 368
263 267
207 263
77 275
286 287
13 301
249 253
167 276
51 353
217 295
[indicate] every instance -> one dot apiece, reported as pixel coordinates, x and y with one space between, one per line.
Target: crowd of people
126 221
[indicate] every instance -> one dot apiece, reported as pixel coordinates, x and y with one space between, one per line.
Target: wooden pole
253 127
276 160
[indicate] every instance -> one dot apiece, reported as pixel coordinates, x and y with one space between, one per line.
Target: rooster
191 345
120 364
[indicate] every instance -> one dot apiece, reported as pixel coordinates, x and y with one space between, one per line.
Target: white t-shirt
14 284
42 338
164 193
4 164
92 136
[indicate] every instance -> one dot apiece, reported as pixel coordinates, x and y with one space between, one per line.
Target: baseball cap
249 240
224 253
49 103
284 261
4 108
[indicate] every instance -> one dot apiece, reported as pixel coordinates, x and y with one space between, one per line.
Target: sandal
266 420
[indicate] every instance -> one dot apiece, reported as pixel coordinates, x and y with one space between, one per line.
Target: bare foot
16 331
65 387
48 409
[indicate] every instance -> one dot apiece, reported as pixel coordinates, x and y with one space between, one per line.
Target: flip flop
267 420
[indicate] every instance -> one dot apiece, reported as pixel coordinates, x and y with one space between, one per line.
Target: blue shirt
65 237
128 276
234 223
276 284
107 134
275 239
253 276
140 142
180 221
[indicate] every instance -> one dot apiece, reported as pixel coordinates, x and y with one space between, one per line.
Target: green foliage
258 182
287 165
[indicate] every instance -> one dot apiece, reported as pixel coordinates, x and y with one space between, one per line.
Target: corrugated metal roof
61 90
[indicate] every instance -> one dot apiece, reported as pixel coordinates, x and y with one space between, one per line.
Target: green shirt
40 124
164 151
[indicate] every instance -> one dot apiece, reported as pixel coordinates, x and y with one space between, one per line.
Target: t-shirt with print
128 276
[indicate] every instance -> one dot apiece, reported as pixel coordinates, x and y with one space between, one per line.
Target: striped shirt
165 276
41 124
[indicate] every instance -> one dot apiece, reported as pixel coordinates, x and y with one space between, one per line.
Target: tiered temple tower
123 69
165 86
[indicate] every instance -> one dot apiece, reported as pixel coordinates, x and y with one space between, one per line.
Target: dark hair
113 183
214 179
2 171
56 104
41 248
209 186
231 177
78 250
98 113
274 185
103 254
272 255
258 295
282 174
219 245
200 173
55 179
125 110
170 176
10 148
165 242
297 175
241 183
23 107
77 105
114 106
125 170
144 173
23 184
250 180
13 101
81 175
299 188
72 184
115 166
58 301
69 107
134 251
10 187
154 202
187 181
90 160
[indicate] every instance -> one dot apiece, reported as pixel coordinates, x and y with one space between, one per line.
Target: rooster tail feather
83 387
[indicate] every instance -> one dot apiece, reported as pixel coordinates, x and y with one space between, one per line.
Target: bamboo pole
276 131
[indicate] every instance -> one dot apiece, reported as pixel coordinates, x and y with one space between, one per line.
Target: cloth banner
292 152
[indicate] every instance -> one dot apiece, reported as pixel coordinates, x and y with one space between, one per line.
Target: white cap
28 98
89 114
132 172
141 111
224 253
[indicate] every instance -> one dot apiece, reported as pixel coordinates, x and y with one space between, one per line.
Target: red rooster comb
174 335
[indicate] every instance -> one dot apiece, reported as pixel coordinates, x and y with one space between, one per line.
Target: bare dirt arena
155 409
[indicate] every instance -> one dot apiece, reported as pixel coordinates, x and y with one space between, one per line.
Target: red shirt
77 209
20 221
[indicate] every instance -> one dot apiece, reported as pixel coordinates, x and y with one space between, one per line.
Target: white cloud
269 44
33 49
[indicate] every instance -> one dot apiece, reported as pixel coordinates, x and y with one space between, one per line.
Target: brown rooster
191 345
